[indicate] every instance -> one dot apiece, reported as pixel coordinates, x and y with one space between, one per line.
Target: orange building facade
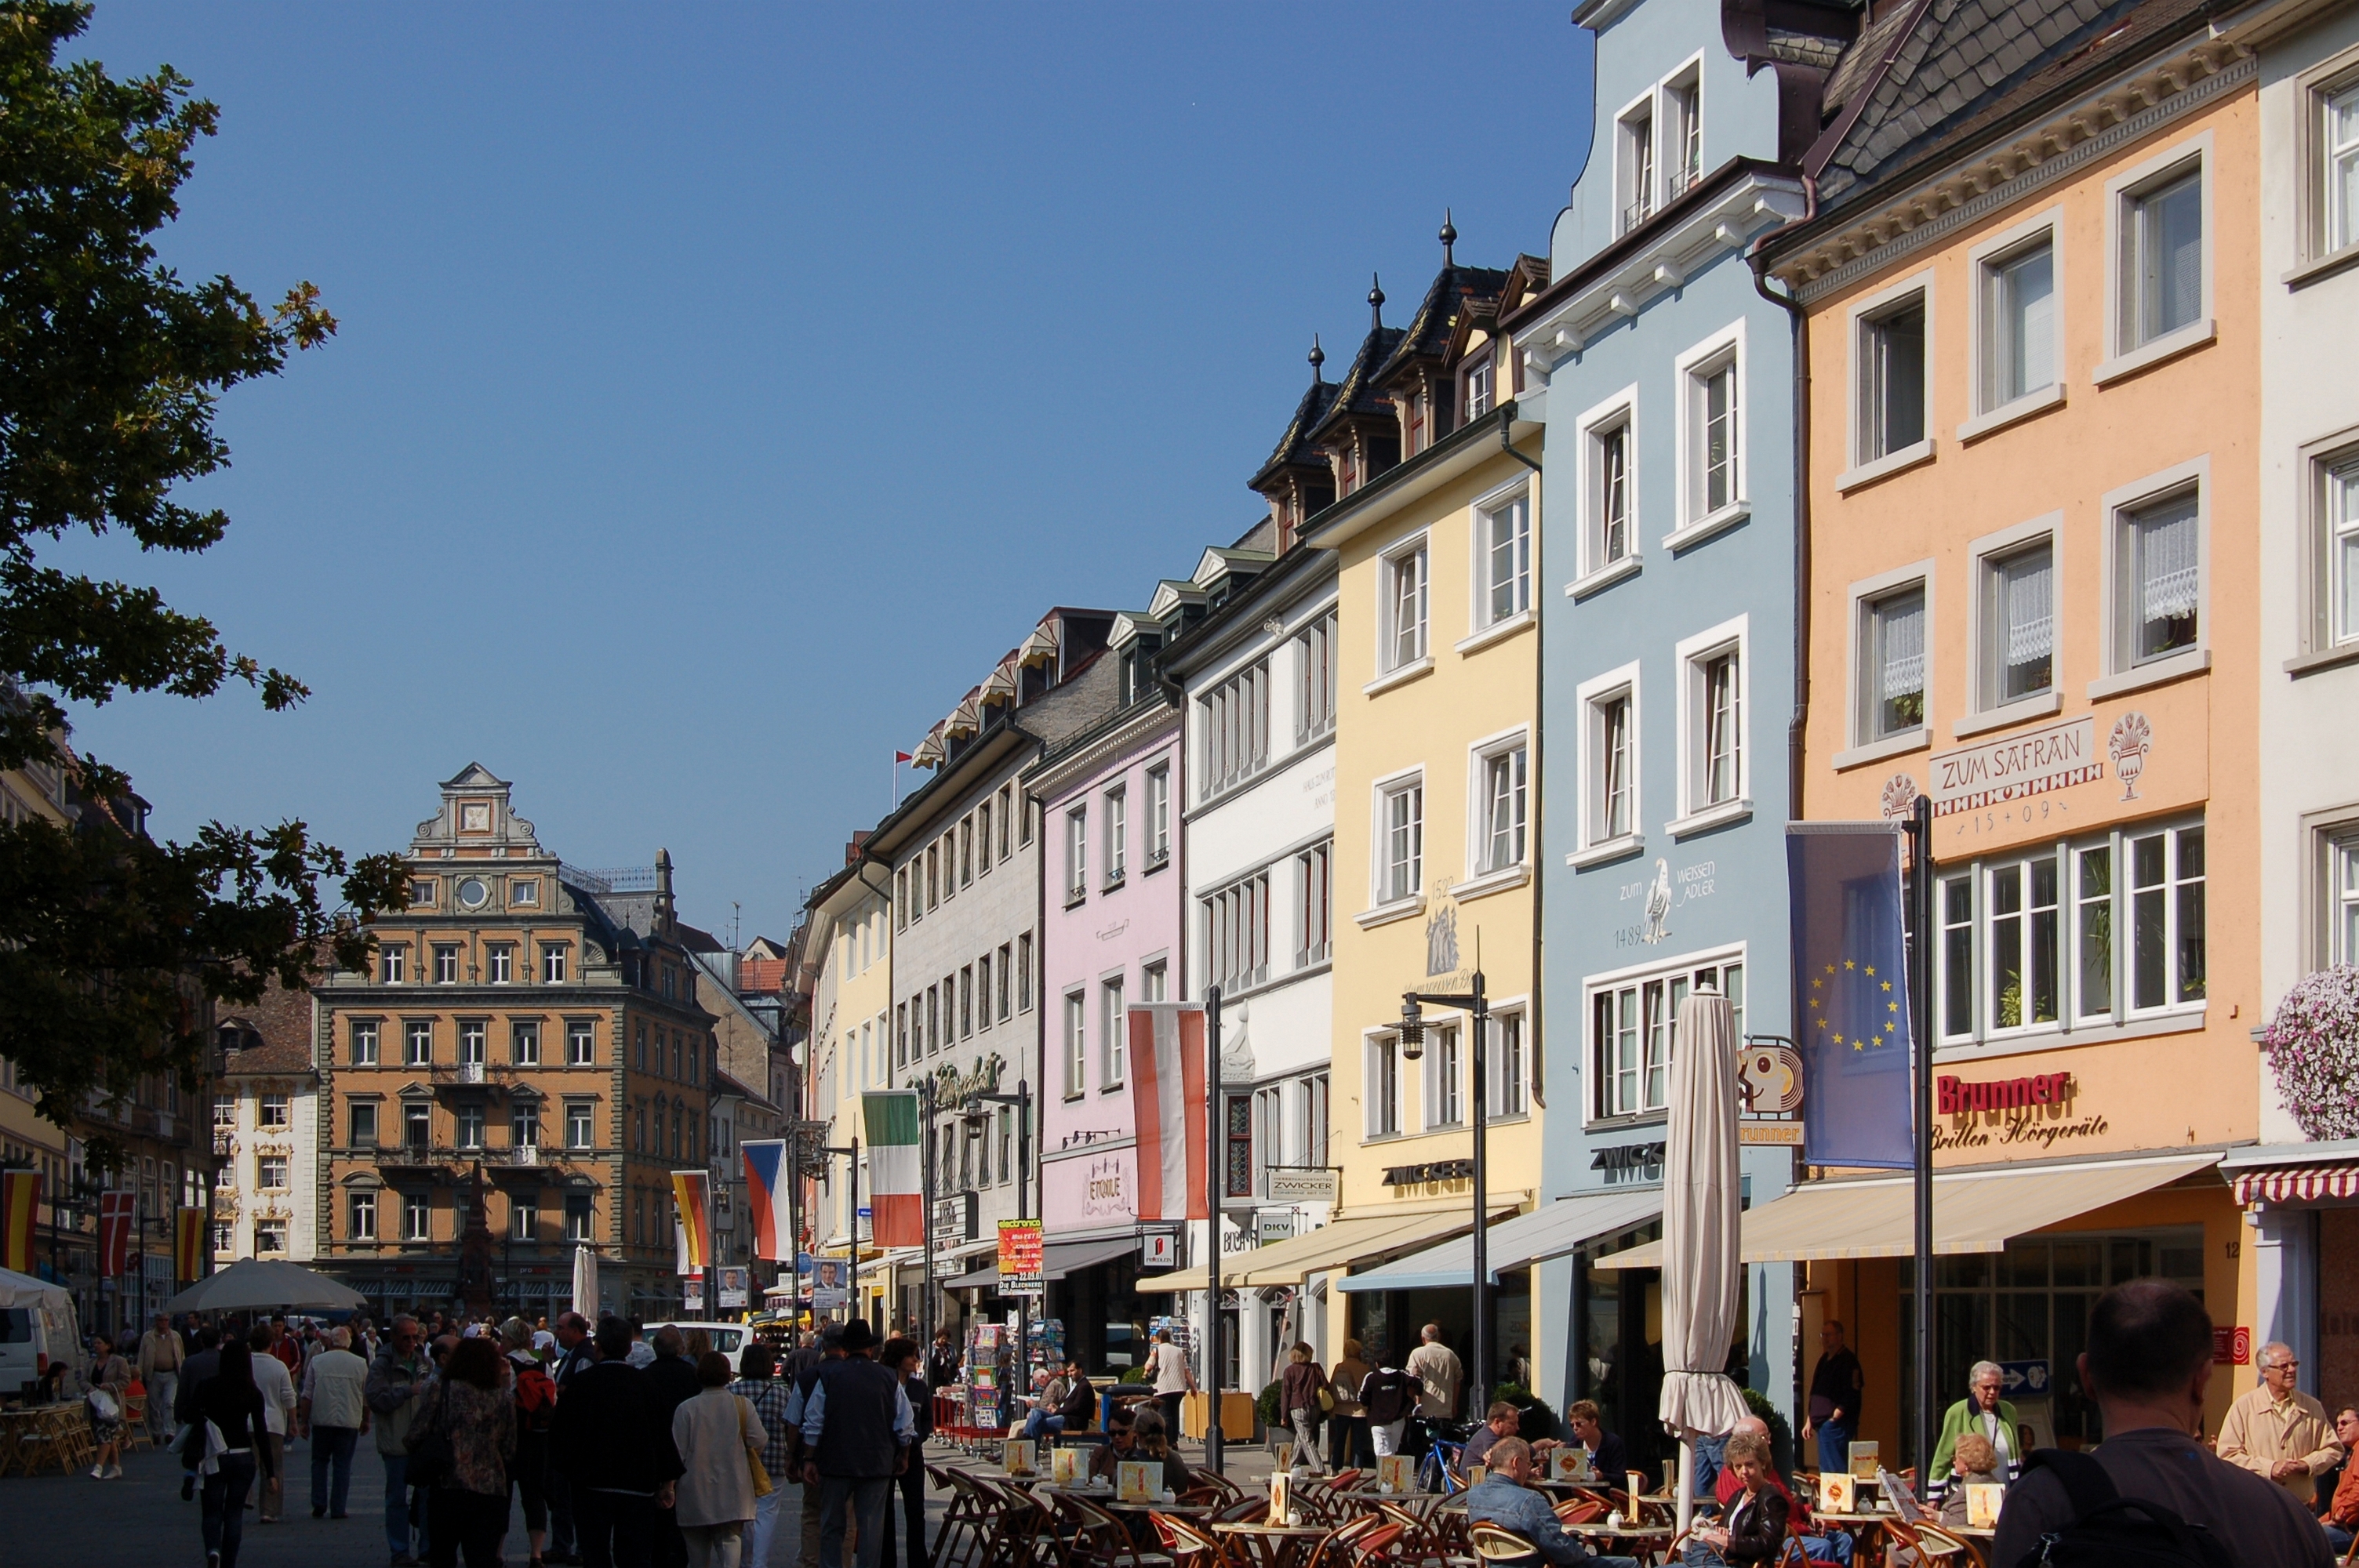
2034 363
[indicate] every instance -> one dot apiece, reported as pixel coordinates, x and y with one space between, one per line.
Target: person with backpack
534 1393
1388 1396
2150 1493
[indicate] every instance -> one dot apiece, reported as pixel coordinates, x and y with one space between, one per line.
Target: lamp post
851 1231
1412 1044
974 1112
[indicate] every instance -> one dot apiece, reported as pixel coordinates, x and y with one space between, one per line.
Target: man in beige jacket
2279 1431
161 1351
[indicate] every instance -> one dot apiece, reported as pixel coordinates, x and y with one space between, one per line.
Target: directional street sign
2023 1379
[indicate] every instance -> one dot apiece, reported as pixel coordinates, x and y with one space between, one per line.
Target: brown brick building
520 1072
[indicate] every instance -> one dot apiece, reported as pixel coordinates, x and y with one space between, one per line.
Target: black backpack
2110 1530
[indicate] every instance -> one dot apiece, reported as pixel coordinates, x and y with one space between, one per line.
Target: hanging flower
2313 1046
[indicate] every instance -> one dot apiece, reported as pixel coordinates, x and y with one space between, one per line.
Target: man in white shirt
1436 1366
1174 1379
278 1386
332 1413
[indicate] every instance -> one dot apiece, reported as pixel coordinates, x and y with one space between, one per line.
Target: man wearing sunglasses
2279 1431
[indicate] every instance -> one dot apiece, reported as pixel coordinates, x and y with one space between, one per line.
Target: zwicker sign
1302 1186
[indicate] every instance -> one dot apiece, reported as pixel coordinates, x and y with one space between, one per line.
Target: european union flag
1851 976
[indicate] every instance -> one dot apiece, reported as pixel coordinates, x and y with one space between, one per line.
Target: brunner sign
2038 1110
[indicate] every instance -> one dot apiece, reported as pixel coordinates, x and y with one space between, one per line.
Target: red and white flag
1169 1103
116 1212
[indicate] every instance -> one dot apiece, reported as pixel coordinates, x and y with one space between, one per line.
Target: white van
727 1337
29 1338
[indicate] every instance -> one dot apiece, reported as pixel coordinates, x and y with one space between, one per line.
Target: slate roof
1356 394
1963 67
1292 445
1454 290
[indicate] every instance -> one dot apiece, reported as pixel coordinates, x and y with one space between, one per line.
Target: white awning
1550 1231
1974 1210
1338 1244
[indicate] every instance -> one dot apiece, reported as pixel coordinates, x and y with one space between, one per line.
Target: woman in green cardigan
1981 1411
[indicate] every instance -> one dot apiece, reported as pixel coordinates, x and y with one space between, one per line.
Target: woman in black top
231 1402
1757 1516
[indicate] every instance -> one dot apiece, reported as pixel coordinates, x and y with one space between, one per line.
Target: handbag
102 1406
432 1459
1326 1399
762 1484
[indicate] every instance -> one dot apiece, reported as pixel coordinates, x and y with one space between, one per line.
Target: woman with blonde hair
1299 1388
1347 1427
717 1434
1974 1462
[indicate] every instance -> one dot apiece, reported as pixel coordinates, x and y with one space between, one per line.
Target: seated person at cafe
1155 1447
1505 1499
1973 1462
1065 1403
1501 1420
2341 1515
1757 1516
1833 1546
1121 1443
1608 1459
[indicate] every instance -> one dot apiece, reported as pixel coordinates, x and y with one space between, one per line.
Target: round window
473 893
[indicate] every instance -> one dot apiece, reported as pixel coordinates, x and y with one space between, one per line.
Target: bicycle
1444 1442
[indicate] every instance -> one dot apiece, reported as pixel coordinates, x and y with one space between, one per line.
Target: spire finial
1449 239
1318 358
1375 302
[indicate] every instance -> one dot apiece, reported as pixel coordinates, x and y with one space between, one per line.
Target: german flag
20 1197
691 1192
188 1245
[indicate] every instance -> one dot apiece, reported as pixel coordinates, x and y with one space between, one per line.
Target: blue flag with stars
1851 980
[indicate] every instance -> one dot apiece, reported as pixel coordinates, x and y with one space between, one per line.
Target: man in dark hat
857 1431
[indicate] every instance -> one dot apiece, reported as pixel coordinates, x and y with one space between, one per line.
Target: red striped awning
2297 1184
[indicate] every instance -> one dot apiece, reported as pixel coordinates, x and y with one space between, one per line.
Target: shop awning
1338 1244
1974 1210
1550 1231
2265 1175
1057 1261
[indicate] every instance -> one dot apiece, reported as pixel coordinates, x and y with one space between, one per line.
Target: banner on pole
896 1201
1851 980
20 1202
765 1175
690 1195
115 1216
1170 1098
188 1245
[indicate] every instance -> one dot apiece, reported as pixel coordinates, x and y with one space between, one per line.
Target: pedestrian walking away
203 1362
1347 1430
1436 1365
161 1351
1173 1378
278 1386
225 1432
1300 1387
901 1357
1387 1395
397 1380
2148 1364
466 1432
332 1412
858 1431
612 1442
1837 1385
767 1396
720 1440
534 1393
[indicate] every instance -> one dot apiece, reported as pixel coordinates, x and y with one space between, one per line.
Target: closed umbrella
585 1283
253 1284
1702 1219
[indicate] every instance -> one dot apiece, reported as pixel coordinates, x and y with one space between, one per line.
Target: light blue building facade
1668 527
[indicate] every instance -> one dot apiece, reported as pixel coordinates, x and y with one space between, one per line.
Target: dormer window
1347 470
1414 423
1477 381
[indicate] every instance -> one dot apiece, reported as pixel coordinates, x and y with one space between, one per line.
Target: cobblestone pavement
139 1522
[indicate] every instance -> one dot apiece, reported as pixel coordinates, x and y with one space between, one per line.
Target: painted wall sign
1432 1171
1955 1096
2036 1111
1658 895
2033 761
1303 1186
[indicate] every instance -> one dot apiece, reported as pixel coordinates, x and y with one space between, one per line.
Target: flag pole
1213 1436
1921 1007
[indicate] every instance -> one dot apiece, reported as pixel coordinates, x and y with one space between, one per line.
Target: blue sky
722 389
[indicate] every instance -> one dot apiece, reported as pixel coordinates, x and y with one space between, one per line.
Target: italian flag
896 1187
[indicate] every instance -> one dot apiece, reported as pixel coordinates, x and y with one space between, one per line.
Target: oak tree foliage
110 367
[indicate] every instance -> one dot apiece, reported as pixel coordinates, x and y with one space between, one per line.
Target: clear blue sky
722 389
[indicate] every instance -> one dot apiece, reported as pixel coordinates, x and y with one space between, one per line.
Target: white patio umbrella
253 1284
1703 1203
585 1283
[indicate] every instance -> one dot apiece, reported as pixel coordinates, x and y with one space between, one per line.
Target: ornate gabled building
1360 435
523 1067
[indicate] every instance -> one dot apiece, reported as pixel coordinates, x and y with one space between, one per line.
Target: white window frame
1594 571
1077 853
1694 654
1638 977
2322 642
1864 595
1683 90
2123 673
1380 899
1596 846
1443 1088
1158 815
1236 926
1113 1041
1380 1114
1418 548
1480 875
1232 728
1314 904
367 1039
2315 91
1117 803
1315 687
1636 180
1983 263
416 1216
2337 902
1861 318
1692 372
1077 1042
1484 512
2126 357
1508 1084
1981 555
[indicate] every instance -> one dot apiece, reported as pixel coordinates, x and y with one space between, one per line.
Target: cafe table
1643 1540
1273 1545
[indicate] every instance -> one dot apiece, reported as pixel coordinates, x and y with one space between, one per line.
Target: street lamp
1412 1047
974 1112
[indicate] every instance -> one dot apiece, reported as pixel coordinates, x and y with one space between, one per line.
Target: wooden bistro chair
1017 1536
1494 1544
966 1522
1189 1546
1372 1548
1099 1540
1419 1542
1242 1510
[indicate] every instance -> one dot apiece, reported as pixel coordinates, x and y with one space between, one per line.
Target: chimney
852 851
663 921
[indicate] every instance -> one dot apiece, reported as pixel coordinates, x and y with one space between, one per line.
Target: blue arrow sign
2028 1380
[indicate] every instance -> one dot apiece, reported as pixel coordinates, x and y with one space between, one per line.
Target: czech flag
20 1197
765 1173
691 1190
895 1177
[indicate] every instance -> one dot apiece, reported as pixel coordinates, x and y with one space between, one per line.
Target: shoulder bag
762 1484
432 1459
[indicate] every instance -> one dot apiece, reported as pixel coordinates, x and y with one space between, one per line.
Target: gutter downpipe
1797 727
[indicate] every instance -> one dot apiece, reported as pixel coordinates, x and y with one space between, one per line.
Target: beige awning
1365 1239
1974 1210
